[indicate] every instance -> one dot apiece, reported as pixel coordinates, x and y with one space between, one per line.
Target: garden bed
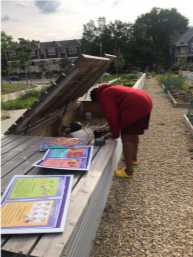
180 95
188 123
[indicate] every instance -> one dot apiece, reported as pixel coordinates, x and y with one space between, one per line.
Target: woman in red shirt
126 110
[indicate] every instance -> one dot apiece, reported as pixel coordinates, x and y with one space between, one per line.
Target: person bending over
127 111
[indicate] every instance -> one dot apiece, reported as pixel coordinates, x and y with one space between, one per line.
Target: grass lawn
18 104
11 88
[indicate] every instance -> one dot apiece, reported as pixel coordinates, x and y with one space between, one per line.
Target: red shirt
122 105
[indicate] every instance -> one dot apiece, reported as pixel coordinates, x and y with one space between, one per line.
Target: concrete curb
188 124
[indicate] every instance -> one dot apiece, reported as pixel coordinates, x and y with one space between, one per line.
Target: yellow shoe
134 163
122 174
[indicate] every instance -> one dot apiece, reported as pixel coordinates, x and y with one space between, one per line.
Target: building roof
183 38
43 45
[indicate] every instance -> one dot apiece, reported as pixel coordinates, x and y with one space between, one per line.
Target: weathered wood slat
3 136
4 238
15 164
44 99
14 144
9 139
25 166
21 148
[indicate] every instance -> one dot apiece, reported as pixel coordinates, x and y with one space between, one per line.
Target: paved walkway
152 214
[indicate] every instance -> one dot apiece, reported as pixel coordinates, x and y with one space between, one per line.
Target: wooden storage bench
88 198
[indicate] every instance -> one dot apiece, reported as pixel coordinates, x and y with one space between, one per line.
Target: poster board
61 142
78 158
35 204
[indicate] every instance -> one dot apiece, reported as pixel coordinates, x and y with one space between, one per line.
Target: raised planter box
174 103
188 124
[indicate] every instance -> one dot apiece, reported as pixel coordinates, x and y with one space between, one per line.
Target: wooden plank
53 244
21 148
4 239
14 144
32 155
15 164
9 139
3 136
46 100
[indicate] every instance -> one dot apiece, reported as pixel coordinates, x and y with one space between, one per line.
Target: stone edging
173 101
188 124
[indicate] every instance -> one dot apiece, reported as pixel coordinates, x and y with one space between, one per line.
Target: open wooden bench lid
76 81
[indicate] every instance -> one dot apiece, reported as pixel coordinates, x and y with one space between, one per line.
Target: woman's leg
129 150
136 143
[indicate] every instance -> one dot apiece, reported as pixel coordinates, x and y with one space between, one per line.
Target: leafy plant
185 87
130 83
133 76
18 104
161 78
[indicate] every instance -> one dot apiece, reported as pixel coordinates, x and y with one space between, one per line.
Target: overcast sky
60 20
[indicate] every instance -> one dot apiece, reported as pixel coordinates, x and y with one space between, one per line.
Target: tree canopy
145 42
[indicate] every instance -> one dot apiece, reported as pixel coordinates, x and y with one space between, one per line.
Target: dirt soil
180 95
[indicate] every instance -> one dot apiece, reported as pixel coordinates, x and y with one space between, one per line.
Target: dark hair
93 95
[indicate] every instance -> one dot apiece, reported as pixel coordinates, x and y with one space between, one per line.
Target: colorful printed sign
78 158
61 142
33 204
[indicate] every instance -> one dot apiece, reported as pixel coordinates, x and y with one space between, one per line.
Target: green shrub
130 83
24 100
133 76
33 93
18 104
161 78
176 72
134 72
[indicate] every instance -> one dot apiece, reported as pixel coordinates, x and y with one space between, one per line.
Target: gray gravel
152 215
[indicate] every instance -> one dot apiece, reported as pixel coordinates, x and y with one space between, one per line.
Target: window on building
63 50
192 47
72 50
42 51
51 51
183 50
33 53
32 63
52 62
12 53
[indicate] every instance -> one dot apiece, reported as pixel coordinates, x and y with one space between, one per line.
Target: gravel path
152 215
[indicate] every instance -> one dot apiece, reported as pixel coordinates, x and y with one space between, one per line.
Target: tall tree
113 36
119 62
64 63
6 42
23 41
22 58
159 25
